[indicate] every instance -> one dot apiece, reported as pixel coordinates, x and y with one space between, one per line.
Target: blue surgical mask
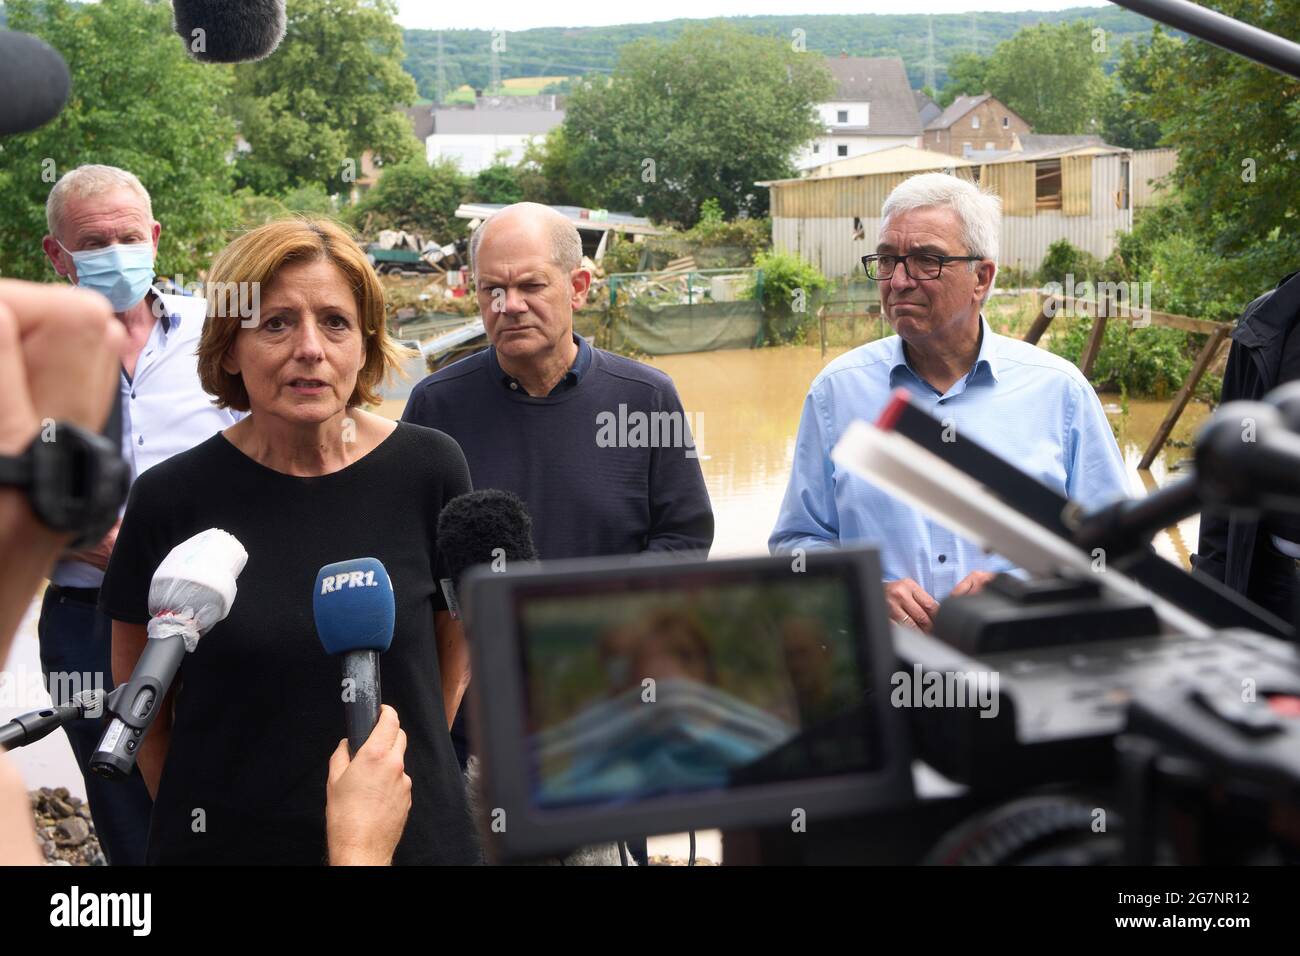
122 273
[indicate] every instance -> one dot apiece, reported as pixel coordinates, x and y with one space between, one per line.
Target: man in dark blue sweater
597 446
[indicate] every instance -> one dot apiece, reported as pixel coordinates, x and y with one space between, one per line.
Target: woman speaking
237 756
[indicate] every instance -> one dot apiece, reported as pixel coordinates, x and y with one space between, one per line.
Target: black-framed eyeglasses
918 265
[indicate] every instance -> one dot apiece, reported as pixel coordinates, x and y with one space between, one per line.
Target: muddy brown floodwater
745 405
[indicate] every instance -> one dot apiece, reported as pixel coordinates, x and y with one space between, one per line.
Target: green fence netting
671 329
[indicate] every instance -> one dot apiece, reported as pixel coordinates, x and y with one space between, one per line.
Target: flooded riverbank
749 401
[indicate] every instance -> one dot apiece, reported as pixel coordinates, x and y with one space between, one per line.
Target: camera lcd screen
668 684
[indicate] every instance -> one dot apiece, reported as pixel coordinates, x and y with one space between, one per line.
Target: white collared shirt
164 408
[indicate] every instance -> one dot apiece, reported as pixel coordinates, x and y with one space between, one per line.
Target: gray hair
979 212
566 243
91 180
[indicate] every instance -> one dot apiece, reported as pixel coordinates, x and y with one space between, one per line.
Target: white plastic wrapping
194 587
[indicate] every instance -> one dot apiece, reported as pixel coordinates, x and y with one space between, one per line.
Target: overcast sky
526 14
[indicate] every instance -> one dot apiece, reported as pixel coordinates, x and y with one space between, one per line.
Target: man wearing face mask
103 237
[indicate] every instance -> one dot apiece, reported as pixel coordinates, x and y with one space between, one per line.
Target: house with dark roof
926 107
421 118
874 108
974 123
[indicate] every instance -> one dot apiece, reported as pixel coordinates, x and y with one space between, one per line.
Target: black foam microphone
34 82
482 527
229 31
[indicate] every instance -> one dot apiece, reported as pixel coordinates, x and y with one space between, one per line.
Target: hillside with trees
552 51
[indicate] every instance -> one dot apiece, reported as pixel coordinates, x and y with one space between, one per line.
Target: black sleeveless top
258 708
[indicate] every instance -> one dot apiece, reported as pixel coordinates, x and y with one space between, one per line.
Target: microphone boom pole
1223 31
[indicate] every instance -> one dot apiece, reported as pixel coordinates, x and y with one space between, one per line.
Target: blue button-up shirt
164 408
1031 407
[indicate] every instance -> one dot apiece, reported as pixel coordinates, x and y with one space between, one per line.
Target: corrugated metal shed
895 159
832 222
1149 165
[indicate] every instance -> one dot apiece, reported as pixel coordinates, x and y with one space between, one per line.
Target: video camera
1089 712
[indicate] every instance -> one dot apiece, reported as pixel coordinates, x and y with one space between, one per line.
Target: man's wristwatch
76 481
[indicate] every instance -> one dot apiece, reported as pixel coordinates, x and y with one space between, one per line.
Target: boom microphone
229 31
34 82
191 592
482 527
354 611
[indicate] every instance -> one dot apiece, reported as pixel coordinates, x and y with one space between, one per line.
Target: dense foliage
703 117
330 92
159 115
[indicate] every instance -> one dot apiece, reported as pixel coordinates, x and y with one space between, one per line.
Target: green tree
416 197
967 76
331 91
543 172
1124 121
703 116
1236 126
138 102
256 209
1052 76
498 183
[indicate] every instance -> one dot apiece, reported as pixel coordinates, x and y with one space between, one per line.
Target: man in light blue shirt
103 236
935 263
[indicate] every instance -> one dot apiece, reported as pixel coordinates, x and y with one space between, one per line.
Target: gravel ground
64 829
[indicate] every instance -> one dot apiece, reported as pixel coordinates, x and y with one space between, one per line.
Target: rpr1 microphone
29 728
192 590
229 31
34 82
354 611
482 527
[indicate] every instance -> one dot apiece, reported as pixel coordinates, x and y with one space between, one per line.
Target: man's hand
972 583
99 554
368 798
909 605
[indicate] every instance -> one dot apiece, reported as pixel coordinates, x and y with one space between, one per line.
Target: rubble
64 830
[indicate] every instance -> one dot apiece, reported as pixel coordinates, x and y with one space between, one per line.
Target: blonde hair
91 180
257 257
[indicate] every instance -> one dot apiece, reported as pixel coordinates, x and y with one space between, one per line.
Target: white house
494 127
874 108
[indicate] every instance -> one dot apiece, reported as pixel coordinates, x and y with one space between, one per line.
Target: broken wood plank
1212 346
1093 346
1115 308
1041 321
